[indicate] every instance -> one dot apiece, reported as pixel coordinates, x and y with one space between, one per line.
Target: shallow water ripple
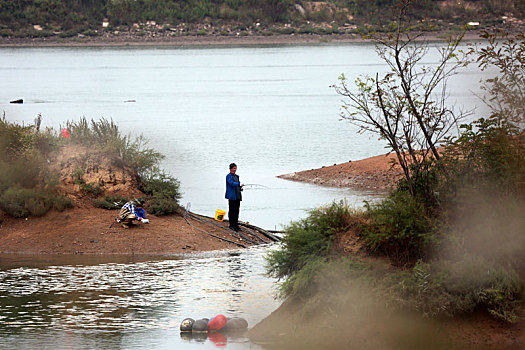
134 297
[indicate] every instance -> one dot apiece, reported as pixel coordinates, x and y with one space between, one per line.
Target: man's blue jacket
231 185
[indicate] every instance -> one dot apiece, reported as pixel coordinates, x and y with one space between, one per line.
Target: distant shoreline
125 40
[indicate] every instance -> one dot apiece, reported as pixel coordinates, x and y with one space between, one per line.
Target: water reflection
133 304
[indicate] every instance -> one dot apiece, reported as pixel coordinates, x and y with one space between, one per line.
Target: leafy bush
162 206
24 154
110 202
24 172
90 188
399 227
22 202
300 245
435 289
161 185
61 203
489 153
451 288
307 242
164 190
302 283
330 219
105 135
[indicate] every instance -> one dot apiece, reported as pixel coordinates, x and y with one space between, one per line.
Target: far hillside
45 18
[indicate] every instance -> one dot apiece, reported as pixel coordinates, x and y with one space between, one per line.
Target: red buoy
217 323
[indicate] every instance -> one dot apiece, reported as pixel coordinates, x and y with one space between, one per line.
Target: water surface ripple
39 303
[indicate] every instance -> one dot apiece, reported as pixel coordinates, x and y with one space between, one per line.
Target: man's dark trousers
233 213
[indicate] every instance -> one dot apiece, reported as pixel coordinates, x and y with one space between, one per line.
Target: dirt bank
315 324
85 175
375 173
86 231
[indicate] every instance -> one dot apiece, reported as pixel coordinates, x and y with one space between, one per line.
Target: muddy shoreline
379 173
87 231
127 39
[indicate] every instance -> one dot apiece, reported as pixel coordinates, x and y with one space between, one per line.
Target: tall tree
407 106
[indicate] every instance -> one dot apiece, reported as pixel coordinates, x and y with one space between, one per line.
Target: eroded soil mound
84 175
83 172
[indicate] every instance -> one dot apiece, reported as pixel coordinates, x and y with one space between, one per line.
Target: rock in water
200 326
217 323
17 101
236 323
186 325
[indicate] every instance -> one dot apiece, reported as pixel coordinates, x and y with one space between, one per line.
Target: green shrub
307 242
5 33
69 33
160 185
90 32
300 245
302 283
110 202
38 206
399 227
162 206
105 135
284 30
22 202
61 203
490 153
452 288
13 202
24 155
330 219
91 188
164 190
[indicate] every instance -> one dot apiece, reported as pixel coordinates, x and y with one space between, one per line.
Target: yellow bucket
219 215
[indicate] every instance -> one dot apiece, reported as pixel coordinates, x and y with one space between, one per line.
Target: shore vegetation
449 239
29 183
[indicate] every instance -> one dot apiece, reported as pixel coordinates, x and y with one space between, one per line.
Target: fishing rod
255 186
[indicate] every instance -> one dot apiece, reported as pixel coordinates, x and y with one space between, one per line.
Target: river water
75 302
268 108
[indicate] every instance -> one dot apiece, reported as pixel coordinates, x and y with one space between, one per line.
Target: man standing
234 197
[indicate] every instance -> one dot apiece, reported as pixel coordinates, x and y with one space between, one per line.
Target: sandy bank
86 231
376 173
